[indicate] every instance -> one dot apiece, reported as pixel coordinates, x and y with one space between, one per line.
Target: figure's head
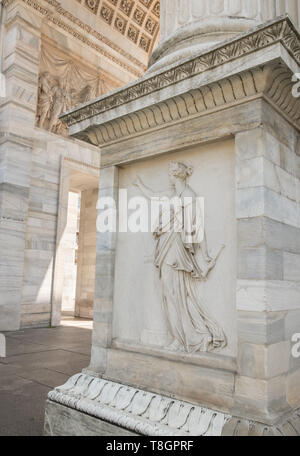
44 77
179 171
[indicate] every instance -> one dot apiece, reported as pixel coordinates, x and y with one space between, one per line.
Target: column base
195 38
88 406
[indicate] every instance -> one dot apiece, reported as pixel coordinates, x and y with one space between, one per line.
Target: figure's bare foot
207 342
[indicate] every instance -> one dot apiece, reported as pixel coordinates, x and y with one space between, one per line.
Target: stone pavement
37 361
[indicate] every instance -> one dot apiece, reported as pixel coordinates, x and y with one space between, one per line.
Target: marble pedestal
231 115
91 406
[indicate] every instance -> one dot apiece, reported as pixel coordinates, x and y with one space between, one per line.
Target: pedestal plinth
196 338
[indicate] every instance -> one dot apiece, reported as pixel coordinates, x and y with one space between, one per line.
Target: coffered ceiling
136 20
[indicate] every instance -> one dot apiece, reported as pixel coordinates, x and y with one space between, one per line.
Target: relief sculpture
63 84
55 97
190 325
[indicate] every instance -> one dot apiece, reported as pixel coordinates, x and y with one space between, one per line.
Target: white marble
187 113
229 114
123 410
138 299
187 26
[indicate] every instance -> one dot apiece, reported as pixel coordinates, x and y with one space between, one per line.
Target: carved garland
281 31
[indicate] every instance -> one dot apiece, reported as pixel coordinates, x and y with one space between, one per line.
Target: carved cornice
56 19
279 31
271 82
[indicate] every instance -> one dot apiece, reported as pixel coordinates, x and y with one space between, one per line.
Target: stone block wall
33 186
268 287
43 236
20 63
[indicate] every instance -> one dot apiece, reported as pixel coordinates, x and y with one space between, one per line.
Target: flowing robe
188 322
45 99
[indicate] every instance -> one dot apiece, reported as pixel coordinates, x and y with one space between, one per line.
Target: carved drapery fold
64 84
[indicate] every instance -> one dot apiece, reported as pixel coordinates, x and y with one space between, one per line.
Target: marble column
189 26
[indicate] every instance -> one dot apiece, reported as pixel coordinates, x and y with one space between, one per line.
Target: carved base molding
137 412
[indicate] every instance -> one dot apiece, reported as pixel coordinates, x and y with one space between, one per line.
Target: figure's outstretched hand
212 263
137 182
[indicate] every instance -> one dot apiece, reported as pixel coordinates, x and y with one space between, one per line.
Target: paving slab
19 347
37 361
44 377
22 407
63 361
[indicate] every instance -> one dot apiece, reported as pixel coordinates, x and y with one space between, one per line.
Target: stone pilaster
268 258
20 54
104 284
58 276
86 262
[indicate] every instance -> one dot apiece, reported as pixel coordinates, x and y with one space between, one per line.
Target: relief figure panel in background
63 84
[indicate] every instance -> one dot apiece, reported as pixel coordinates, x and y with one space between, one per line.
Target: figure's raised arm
148 192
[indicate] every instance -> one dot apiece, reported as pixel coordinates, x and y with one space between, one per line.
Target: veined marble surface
144 413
